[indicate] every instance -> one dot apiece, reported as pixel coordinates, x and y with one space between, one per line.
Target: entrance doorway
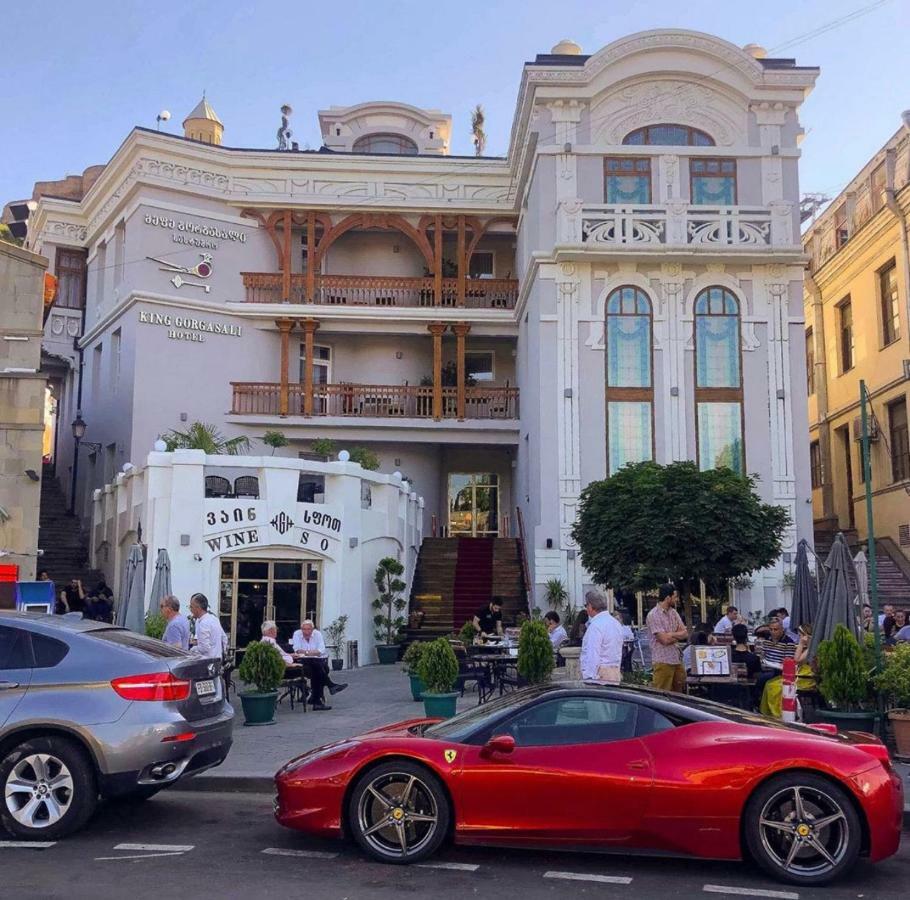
253 590
474 505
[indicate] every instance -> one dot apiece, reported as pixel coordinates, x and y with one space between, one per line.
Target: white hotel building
625 284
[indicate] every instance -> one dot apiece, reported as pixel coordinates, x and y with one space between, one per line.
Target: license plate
205 688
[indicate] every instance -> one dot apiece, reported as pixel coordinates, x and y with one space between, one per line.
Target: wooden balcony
380 291
383 401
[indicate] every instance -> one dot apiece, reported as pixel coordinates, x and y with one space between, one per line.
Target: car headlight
319 753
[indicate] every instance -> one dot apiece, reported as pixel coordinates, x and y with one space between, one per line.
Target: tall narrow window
810 362
718 380
713 181
890 307
845 334
627 180
815 464
630 386
119 252
877 181
100 272
898 439
70 272
116 339
841 231
97 355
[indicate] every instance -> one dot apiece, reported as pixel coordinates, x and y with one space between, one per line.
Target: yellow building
857 292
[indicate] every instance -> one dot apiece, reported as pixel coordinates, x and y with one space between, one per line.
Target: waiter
601 648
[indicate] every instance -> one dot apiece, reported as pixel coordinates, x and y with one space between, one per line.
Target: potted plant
894 683
155 623
556 593
263 668
389 604
467 634
411 660
324 448
275 439
535 653
335 631
438 670
844 682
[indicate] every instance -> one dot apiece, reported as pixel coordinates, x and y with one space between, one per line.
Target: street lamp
78 425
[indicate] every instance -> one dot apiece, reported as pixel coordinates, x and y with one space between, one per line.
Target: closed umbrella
837 604
131 609
861 565
805 592
161 583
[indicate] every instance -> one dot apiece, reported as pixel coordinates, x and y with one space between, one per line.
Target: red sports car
584 766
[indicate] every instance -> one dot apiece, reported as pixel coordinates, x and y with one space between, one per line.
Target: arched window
669 136
385 143
629 376
718 380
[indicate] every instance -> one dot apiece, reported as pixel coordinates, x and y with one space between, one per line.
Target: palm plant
479 135
203 436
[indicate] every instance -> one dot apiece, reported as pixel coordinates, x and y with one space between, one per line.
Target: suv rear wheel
47 789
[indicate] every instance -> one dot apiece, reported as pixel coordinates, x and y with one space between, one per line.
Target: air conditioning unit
871 424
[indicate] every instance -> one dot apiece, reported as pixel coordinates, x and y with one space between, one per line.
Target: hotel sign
189 328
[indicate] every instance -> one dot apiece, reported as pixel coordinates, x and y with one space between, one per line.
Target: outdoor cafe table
497 664
724 689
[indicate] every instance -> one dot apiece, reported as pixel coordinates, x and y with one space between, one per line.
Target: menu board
709 660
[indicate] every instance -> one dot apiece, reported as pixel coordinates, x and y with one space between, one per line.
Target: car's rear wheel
48 789
802 829
398 812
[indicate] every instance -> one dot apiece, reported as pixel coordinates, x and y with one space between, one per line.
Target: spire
203 124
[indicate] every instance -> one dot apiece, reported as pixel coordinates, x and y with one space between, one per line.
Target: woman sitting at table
772 695
741 652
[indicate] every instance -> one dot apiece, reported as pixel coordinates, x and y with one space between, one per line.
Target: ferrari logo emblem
450 756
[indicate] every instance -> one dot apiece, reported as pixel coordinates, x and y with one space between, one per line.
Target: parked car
88 710
586 766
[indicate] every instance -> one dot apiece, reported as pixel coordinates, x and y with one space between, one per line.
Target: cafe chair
216 486
247 486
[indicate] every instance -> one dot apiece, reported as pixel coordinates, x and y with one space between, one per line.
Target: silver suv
89 710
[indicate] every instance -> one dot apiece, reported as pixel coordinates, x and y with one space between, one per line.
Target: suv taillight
156 686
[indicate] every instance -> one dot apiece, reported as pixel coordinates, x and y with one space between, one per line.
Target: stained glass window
713 182
717 339
629 437
669 136
720 441
627 180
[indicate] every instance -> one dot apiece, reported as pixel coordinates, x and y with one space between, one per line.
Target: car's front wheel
48 789
398 813
802 829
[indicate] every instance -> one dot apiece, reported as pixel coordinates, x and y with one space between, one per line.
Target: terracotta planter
900 724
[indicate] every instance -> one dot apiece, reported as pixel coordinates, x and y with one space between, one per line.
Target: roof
203 110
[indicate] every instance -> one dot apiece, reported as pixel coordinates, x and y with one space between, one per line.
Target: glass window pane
288 571
717 351
479 366
720 436
287 599
253 571
628 351
636 137
628 433
714 191
668 135
628 189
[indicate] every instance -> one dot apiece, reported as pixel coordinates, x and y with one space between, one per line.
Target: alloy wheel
397 814
38 790
804 831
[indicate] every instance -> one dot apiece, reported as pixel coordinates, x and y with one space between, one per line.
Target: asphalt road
222 846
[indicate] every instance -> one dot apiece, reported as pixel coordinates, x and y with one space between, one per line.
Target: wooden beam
310 256
309 327
437 261
461 330
286 262
285 326
462 262
437 329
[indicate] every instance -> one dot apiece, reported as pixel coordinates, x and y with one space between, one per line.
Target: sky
78 77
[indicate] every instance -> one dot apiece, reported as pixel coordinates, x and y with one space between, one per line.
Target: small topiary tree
323 447
412 656
155 623
468 633
262 667
438 667
275 439
335 633
535 653
844 680
894 680
388 620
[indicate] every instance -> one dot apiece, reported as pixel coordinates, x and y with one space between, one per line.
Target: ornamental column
310 256
309 327
286 258
285 327
461 330
462 262
437 329
437 260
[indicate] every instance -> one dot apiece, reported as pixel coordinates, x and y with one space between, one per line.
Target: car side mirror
502 743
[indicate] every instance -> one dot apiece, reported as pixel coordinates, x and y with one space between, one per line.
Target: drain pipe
899 214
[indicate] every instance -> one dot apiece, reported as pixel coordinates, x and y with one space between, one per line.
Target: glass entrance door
252 591
474 505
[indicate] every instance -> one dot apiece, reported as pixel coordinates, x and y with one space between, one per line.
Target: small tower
203 124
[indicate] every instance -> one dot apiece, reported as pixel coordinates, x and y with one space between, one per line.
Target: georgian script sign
232 525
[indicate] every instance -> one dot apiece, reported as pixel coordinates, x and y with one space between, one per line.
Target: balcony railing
679 224
377 291
374 401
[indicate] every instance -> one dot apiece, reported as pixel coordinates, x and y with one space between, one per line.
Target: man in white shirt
211 641
269 636
309 643
601 647
726 622
558 634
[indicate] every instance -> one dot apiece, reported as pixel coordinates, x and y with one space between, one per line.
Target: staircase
465 573
65 547
893 584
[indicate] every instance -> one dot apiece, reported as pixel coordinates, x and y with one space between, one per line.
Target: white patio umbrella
861 564
131 606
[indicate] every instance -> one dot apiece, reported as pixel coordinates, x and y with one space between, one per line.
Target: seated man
726 622
270 635
309 644
488 621
774 649
558 634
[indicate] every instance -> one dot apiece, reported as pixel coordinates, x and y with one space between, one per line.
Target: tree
202 436
648 524
275 439
388 620
9 237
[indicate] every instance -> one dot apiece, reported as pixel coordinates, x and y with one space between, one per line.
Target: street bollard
788 691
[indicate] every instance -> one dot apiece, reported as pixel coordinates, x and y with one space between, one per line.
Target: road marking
156 848
454 866
578 876
750 892
136 856
26 845
304 854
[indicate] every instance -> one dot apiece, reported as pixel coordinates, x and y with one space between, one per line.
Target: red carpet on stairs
473 578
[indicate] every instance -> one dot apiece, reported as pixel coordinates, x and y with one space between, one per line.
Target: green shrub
275 439
412 657
388 620
844 678
556 593
323 447
468 633
155 623
262 667
438 667
367 458
335 633
535 653
894 680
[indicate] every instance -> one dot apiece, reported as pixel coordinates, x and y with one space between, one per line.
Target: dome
566 48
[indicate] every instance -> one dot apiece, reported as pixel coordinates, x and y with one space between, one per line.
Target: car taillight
156 686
